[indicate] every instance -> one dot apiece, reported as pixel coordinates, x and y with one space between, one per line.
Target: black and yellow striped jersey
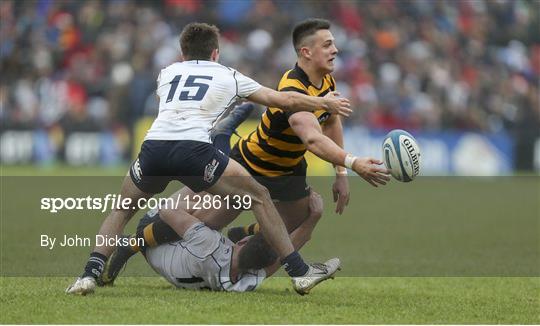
273 149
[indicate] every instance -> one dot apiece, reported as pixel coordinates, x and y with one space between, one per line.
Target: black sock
156 233
223 143
95 264
295 265
163 233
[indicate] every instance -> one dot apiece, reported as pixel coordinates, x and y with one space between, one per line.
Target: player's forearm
295 102
326 149
333 129
302 234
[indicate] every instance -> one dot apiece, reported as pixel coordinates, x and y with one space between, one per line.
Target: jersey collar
303 77
196 62
301 74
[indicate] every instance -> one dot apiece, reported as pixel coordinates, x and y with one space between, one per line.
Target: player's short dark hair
198 40
307 28
256 254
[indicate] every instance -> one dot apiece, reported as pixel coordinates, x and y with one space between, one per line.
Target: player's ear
243 241
215 55
305 52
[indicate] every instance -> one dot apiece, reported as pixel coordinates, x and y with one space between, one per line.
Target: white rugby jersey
201 260
193 95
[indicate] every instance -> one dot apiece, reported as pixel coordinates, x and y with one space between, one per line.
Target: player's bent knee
317 210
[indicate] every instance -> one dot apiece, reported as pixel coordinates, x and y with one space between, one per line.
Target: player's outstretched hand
340 189
369 169
337 105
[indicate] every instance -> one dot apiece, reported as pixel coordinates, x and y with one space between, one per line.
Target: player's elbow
311 141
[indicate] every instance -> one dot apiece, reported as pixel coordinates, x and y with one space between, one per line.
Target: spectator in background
424 65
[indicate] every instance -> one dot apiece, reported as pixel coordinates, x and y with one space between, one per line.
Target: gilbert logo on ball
401 155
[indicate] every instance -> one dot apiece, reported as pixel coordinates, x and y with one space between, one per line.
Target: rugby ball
401 155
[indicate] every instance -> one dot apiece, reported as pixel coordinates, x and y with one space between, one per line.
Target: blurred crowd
418 64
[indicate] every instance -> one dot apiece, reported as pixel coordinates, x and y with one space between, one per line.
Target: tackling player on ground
193 95
205 259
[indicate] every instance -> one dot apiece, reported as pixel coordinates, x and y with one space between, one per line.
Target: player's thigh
130 190
236 180
294 212
217 219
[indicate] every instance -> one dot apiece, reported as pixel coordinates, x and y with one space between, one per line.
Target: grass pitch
345 300
436 251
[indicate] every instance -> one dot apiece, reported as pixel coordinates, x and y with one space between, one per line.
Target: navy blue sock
223 143
295 265
95 264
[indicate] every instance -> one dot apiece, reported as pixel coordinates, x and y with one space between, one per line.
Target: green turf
341 301
483 232
432 227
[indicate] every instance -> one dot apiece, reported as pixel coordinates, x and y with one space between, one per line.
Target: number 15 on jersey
194 88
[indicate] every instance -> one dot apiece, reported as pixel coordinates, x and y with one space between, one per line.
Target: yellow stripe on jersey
283 145
259 170
273 149
292 83
254 147
274 159
274 142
